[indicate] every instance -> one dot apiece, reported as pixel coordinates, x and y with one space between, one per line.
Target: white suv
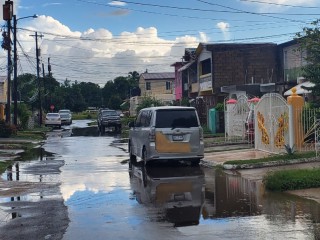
166 133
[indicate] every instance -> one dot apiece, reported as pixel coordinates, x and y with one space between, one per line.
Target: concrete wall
243 64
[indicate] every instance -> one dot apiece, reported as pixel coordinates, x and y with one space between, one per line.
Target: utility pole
38 76
49 67
7 15
44 87
15 72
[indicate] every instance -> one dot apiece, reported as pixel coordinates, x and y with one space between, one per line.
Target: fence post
291 127
297 103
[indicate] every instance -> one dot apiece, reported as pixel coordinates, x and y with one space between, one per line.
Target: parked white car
66 118
65 111
53 119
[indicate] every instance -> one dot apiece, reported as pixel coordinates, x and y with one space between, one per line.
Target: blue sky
123 36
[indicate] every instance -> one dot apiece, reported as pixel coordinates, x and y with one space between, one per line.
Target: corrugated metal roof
154 76
186 66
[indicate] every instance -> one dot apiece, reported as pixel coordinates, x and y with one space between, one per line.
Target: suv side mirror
131 124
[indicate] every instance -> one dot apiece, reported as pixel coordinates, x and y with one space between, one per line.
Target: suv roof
167 108
64 110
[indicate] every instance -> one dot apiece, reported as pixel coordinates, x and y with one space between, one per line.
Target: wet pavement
226 154
95 194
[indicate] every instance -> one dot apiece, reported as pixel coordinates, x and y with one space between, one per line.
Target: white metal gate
235 117
306 129
272 123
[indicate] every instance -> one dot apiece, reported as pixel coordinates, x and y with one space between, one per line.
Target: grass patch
93 123
84 115
293 179
285 157
36 134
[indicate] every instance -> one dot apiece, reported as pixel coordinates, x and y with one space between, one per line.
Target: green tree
121 87
74 99
309 43
107 91
149 102
114 102
91 93
133 79
27 87
50 86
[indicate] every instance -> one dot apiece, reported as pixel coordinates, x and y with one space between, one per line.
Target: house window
148 86
168 85
205 66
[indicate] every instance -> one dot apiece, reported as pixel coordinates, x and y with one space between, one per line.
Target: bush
24 115
7 130
149 102
219 107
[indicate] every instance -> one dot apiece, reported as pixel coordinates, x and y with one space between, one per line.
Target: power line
235 11
280 4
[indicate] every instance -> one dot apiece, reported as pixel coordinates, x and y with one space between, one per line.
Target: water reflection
86 131
200 197
34 166
176 192
229 195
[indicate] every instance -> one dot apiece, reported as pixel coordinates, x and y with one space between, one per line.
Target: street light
15 81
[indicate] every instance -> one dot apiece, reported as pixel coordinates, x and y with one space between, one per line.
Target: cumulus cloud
51 4
224 28
117 3
97 55
203 37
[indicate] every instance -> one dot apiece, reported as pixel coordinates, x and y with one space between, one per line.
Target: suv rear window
109 113
174 118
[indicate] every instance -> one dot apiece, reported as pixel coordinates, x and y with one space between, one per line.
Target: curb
270 164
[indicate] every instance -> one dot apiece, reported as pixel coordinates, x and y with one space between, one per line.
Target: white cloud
117 3
97 55
51 4
203 37
224 27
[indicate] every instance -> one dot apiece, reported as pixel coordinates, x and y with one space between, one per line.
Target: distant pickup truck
108 118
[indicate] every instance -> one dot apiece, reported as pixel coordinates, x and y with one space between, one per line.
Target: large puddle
206 197
96 182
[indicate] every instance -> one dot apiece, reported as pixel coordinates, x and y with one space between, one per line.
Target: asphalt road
80 186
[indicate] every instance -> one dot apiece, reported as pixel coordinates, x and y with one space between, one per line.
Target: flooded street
83 185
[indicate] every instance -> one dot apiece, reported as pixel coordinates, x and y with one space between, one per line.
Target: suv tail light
201 133
152 134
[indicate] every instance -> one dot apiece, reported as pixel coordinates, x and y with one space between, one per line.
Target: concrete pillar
229 118
297 103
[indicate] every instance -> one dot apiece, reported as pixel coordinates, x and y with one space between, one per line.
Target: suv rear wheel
133 158
144 156
195 162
